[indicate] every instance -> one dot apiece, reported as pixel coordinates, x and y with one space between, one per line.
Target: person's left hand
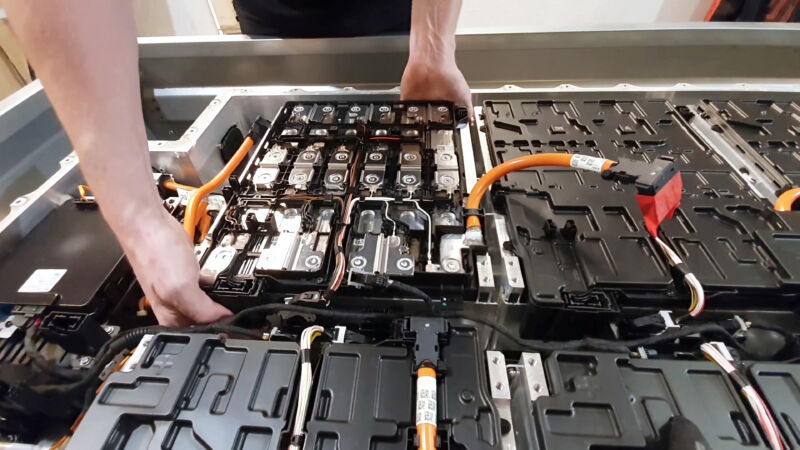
435 80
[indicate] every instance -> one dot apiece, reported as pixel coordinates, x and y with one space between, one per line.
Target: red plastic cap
656 208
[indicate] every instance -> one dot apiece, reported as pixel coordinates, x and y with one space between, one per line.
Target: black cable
604 345
45 365
413 291
127 340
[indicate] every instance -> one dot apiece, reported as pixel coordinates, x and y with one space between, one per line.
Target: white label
7 328
585 162
426 400
42 280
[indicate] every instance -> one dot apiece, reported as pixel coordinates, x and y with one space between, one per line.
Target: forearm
85 54
433 30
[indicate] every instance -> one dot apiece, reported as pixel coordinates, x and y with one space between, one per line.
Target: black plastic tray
612 401
365 397
743 252
195 391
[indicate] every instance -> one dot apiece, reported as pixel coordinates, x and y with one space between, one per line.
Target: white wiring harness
752 396
698 295
306 381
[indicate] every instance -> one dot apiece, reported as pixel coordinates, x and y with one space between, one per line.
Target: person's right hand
164 262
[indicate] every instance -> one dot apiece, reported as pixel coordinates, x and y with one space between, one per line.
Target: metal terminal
381 254
337 172
506 266
375 169
294 249
486 288
501 394
533 375
303 170
450 246
218 261
446 177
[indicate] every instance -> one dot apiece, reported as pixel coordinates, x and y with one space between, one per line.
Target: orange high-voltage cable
524 162
173 186
426 408
189 221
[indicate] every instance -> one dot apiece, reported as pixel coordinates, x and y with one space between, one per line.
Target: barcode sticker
41 280
426 400
585 162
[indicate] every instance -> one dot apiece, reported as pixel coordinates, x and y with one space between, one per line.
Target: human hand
435 80
164 262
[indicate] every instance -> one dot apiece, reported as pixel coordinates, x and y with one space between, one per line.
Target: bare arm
85 53
431 72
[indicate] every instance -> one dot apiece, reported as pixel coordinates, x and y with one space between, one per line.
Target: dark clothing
323 18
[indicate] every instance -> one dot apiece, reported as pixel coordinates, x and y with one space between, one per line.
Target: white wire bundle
304 390
752 396
698 295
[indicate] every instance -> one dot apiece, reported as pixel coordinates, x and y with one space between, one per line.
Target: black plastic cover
73 239
779 385
365 398
740 249
603 400
195 391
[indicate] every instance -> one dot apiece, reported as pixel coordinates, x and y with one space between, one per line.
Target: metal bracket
759 174
501 394
533 373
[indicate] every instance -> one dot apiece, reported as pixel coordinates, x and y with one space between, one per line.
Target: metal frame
185 78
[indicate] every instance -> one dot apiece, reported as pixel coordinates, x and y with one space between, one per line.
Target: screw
335 178
442 109
409 179
358 262
446 157
410 157
451 265
308 155
327 109
298 109
383 109
355 109
341 156
85 361
404 263
446 179
313 261
108 329
300 177
371 178
375 156
413 109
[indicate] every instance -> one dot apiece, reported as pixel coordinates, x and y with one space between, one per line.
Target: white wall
509 16
197 17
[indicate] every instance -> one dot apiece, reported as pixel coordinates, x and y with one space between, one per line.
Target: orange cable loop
787 199
189 220
523 162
